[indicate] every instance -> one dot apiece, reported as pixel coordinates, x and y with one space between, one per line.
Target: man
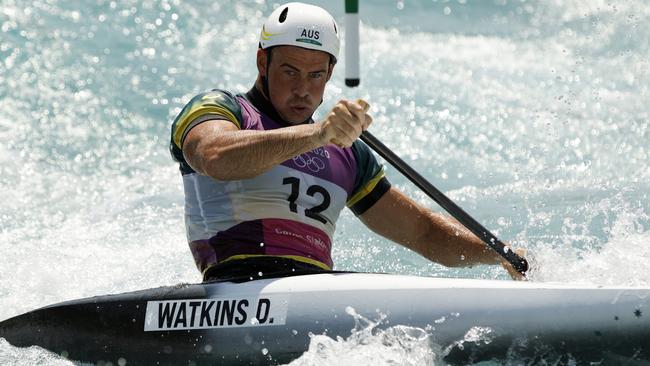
264 184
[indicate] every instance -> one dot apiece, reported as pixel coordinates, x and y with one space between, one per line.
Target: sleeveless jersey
288 211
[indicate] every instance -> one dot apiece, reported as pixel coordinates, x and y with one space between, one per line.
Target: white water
533 116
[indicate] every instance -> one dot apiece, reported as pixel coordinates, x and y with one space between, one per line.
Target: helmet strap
265 79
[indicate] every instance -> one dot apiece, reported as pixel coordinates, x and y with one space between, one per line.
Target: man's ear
261 61
330 71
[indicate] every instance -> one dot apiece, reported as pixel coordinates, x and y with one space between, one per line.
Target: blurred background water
532 115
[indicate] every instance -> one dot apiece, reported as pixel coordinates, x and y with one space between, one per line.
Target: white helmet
301 25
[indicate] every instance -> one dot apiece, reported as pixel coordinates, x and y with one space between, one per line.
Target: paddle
517 262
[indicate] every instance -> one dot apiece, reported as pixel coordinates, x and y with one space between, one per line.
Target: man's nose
300 87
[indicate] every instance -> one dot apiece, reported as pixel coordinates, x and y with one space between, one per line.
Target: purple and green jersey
288 211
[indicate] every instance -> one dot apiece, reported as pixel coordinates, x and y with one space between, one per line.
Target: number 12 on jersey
313 212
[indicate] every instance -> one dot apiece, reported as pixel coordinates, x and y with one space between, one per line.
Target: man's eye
290 73
317 75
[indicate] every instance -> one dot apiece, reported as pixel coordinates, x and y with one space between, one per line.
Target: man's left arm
437 237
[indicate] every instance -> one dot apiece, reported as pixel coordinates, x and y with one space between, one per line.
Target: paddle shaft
519 263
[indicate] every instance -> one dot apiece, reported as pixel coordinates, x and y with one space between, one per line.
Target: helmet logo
309 36
266 35
311 33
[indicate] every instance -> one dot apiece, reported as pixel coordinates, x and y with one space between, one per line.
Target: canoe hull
269 321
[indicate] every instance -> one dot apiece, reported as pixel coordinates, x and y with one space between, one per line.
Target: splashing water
369 345
32 356
532 115
601 264
375 343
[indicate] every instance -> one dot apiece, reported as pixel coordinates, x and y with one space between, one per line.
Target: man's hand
511 270
345 122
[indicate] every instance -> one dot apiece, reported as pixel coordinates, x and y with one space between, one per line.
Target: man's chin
296 118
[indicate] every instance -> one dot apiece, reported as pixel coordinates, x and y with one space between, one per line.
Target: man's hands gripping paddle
345 123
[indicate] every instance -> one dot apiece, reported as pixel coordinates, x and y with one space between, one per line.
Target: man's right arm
218 149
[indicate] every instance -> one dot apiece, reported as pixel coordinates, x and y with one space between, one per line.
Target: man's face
297 79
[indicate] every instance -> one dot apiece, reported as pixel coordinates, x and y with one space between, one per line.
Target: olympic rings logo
313 163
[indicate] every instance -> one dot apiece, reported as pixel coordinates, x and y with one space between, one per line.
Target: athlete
265 183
